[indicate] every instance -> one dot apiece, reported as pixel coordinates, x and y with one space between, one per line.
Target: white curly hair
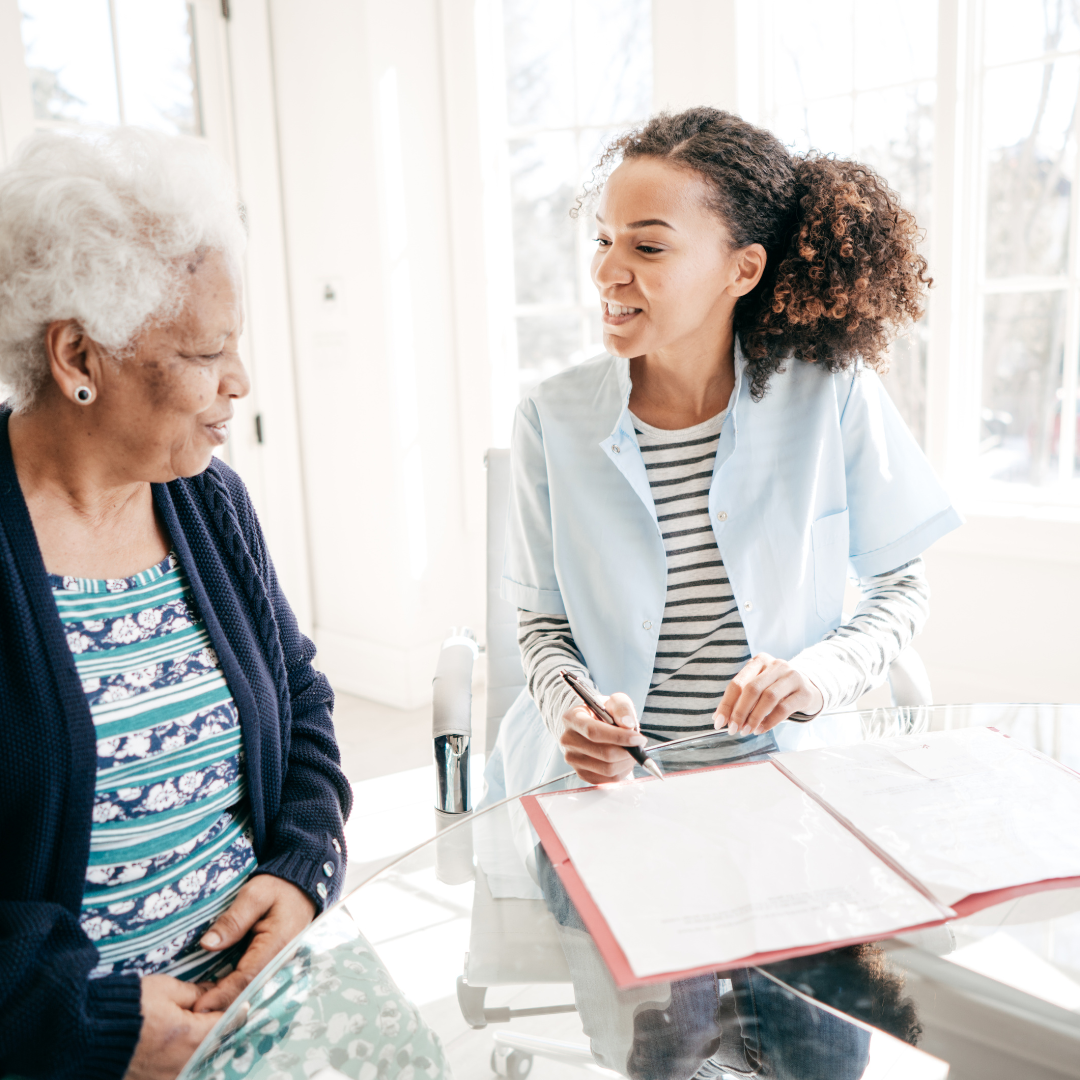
97 231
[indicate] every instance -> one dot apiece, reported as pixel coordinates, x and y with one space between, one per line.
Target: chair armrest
451 722
909 682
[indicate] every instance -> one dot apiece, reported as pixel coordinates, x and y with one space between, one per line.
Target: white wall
1005 611
392 476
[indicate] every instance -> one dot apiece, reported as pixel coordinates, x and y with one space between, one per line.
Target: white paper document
710 867
962 811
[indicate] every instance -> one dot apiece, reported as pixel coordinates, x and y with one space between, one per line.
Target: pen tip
655 769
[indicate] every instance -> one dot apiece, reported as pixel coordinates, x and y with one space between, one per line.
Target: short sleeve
897 507
529 579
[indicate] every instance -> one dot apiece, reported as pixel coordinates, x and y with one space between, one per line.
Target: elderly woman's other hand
171 1031
276 910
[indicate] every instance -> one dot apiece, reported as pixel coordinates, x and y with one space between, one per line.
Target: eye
649 250
602 242
212 356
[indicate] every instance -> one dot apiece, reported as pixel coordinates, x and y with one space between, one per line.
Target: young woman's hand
171 1031
763 693
274 911
597 751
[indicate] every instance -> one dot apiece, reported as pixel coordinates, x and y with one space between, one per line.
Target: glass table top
440 965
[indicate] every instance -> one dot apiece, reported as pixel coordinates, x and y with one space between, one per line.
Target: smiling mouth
616 314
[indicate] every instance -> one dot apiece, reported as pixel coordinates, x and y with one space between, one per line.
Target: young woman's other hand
596 751
171 1031
762 694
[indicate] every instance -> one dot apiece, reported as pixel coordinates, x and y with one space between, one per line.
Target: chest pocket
830 540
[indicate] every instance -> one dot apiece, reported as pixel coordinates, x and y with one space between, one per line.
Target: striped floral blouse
170 843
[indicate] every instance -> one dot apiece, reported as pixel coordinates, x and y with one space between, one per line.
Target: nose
609 268
235 381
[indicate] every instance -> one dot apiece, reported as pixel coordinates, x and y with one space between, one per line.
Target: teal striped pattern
170 842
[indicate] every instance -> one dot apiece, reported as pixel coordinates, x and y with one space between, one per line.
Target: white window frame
965 24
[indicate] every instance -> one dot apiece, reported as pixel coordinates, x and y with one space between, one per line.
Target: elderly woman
171 802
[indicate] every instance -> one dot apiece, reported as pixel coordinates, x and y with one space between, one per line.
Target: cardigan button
334 843
748 605
616 449
321 890
328 869
722 516
646 625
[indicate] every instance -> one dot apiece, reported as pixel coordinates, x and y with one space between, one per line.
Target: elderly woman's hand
277 911
171 1031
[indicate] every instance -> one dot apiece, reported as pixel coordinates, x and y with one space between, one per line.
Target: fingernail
733 728
210 940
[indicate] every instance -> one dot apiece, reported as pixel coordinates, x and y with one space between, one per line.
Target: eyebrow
642 224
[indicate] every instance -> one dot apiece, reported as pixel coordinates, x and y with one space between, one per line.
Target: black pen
601 713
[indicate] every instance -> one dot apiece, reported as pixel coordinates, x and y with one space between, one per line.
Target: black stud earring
84 395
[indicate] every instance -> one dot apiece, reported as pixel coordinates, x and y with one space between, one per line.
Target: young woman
685 509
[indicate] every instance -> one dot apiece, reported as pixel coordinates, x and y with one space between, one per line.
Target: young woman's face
665 267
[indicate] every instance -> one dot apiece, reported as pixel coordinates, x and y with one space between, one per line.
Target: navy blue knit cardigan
56 1023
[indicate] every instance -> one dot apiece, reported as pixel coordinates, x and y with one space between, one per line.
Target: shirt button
721 515
748 605
328 869
321 890
334 843
647 625
616 449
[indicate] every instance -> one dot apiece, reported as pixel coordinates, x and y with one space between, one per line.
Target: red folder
617 963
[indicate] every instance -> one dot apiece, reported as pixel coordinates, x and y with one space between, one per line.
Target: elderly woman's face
170 403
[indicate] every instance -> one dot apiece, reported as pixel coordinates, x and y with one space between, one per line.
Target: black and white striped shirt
702 642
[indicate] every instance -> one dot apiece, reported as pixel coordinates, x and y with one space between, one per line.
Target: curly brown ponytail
843 271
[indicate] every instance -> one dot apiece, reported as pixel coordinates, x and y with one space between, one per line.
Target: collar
625 425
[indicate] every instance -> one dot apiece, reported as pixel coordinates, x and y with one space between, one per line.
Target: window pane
828 126
906 380
813 49
544 186
895 42
157 65
1031 156
894 133
1022 354
69 52
539 62
547 344
1040 26
614 55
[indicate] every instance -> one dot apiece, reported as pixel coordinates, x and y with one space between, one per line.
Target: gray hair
97 231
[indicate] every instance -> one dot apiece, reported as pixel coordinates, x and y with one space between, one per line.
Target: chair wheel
511 1063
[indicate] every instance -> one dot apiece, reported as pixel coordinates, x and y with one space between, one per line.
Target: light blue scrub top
818 479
